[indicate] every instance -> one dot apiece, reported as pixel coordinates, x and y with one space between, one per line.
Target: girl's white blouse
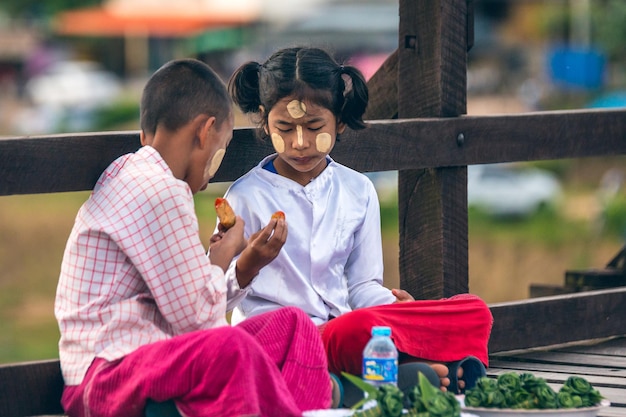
332 261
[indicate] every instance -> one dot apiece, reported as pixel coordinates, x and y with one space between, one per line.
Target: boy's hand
226 244
263 247
402 296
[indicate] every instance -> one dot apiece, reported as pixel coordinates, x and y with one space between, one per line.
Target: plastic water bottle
380 358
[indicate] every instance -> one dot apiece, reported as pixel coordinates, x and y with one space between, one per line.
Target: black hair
302 72
181 90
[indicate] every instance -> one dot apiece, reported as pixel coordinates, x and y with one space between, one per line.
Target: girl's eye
284 130
315 129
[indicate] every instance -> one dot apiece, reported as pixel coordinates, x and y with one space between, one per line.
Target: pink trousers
270 365
444 330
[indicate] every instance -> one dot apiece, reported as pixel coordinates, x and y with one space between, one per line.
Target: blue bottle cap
381 331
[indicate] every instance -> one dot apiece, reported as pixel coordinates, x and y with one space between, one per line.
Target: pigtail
243 87
355 97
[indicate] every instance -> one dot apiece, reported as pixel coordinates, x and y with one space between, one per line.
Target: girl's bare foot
442 371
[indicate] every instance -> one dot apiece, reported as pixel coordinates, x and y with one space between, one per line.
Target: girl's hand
263 247
402 296
226 244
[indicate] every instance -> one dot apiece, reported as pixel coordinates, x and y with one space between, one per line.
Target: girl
331 264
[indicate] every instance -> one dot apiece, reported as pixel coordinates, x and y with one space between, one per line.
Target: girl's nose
298 140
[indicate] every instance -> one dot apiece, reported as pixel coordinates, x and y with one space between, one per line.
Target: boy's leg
216 372
292 340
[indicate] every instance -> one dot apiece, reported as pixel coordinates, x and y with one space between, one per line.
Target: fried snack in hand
278 215
225 213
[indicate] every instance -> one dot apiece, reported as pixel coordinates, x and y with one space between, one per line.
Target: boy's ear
341 127
142 138
204 129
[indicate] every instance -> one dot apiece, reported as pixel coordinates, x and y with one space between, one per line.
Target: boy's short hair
181 90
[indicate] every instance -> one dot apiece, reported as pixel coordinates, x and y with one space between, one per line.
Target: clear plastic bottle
380 358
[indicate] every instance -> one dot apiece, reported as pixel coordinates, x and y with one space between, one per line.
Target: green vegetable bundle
424 400
525 391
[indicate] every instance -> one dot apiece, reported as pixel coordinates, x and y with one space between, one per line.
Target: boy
140 306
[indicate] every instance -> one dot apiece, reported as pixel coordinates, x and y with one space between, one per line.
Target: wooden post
432 64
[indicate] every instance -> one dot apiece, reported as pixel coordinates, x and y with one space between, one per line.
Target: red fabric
272 364
443 330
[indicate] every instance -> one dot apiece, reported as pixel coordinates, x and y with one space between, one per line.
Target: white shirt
332 261
134 269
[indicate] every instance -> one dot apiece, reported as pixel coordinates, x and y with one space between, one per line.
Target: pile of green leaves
525 391
423 400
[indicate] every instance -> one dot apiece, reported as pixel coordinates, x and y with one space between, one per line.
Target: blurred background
77 66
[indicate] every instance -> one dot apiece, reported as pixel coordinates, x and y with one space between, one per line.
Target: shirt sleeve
234 292
364 268
167 250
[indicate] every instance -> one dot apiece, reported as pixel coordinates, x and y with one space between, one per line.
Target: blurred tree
607 24
27 9
609 29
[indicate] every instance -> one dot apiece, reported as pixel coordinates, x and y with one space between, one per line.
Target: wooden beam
432 204
31 388
556 320
59 162
468 140
383 91
73 162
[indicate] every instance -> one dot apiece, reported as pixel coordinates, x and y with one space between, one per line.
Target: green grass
505 255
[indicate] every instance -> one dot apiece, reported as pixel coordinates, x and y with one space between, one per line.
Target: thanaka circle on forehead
296 109
216 161
278 142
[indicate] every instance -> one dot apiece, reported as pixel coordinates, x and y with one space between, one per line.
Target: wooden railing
417 127
435 147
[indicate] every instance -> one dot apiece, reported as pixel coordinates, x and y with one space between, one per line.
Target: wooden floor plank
614 347
574 358
561 368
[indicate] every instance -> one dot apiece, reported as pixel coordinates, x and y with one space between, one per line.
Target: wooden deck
602 363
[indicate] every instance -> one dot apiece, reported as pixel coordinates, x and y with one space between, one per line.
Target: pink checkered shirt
134 269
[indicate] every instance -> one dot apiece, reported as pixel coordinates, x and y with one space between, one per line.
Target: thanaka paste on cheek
296 109
278 142
216 161
322 142
299 132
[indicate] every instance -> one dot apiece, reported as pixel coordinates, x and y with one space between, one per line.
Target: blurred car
73 83
506 190
510 190
65 98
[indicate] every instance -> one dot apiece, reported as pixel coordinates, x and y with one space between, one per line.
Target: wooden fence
418 127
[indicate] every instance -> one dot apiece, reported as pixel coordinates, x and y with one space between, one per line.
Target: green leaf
426 388
370 390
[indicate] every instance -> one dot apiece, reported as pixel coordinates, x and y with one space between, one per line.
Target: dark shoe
473 369
407 379
337 401
408 375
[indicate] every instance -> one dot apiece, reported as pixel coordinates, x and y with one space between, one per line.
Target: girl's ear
341 127
142 138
